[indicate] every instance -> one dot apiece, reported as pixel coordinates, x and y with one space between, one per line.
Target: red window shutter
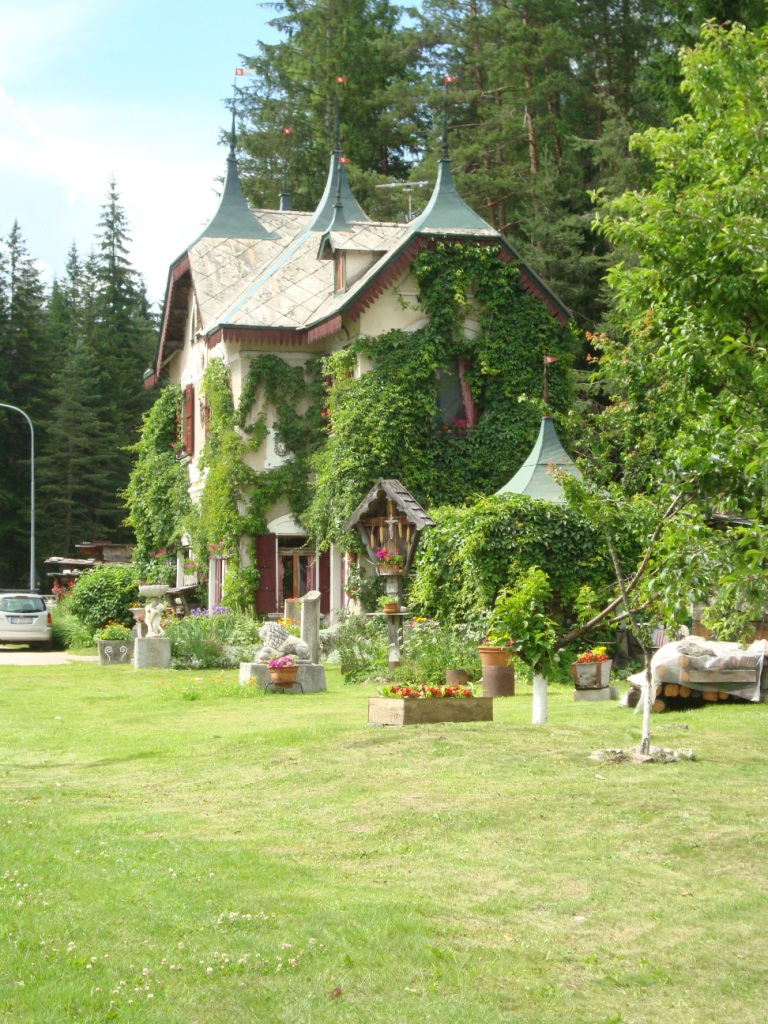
324 582
188 436
470 412
265 551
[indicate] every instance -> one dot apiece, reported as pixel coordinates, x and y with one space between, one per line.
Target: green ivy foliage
236 500
474 551
157 494
386 422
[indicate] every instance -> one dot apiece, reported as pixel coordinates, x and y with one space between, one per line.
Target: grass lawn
177 850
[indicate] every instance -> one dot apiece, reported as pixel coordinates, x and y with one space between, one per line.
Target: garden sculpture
277 641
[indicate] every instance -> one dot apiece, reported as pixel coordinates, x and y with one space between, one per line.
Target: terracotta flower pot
456 677
391 608
283 678
495 657
498 670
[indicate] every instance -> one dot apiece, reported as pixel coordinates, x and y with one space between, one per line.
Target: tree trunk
539 699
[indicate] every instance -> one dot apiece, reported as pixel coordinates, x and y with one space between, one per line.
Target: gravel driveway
23 656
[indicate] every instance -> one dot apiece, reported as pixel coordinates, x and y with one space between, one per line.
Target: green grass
177 850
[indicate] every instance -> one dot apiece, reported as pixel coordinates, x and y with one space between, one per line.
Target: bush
105 593
217 639
430 647
361 644
69 631
477 550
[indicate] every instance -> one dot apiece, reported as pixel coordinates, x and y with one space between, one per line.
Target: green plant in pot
520 618
388 604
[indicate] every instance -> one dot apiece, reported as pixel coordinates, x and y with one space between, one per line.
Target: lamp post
31 493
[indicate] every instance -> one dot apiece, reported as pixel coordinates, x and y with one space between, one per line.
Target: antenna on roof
340 80
407 187
447 80
285 195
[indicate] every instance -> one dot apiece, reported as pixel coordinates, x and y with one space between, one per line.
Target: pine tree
25 356
295 87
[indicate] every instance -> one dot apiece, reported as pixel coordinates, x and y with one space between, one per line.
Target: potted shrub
283 671
115 644
592 669
408 704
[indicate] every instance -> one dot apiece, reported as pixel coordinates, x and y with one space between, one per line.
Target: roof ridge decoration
535 477
234 217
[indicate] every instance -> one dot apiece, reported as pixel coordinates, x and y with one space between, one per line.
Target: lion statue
277 641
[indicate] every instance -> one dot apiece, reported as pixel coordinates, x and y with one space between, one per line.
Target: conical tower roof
535 477
446 210
337 186
234 217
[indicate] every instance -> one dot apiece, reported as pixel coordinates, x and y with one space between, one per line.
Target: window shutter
188 436
266 562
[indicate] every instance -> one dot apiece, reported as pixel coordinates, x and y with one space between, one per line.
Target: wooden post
539 699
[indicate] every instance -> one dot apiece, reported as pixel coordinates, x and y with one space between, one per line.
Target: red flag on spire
449 78
344 160
245 71
287 131
549 359
340 80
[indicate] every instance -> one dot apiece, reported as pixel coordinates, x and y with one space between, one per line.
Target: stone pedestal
151 652
604 693
310 678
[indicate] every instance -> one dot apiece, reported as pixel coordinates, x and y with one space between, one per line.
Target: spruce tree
26 358
295 87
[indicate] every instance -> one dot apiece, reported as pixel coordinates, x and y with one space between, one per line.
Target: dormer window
339 271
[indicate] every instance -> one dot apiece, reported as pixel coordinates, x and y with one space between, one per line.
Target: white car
24 619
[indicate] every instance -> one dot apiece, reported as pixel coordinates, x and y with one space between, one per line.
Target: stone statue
277 641
153 617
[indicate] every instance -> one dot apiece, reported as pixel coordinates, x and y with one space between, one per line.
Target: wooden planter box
425 710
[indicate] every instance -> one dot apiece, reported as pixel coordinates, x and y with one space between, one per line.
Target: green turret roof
234 217
535 477
446 210
336 187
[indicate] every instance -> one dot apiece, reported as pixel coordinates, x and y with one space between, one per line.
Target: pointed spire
535 477
234 217
337 185
446 210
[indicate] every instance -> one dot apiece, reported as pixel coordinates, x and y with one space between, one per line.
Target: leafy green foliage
157 493
360 641
386 421
430 647
68 630
104 594
475 550
212 640
520 616
688 418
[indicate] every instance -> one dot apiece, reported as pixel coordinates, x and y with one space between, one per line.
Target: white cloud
34 34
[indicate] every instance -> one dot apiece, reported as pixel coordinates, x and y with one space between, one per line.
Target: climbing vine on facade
486 338
157 494
236 499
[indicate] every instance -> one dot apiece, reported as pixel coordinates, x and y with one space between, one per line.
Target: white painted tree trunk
539 699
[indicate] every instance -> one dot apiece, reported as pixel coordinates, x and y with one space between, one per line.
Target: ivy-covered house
317 351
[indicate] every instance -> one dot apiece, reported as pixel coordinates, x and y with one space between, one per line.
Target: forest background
546 96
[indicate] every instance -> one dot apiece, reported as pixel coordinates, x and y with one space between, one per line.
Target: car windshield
22 605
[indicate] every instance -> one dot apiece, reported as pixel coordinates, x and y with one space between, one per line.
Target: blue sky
131 88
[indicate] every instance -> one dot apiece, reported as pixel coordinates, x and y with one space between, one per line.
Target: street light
31 494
